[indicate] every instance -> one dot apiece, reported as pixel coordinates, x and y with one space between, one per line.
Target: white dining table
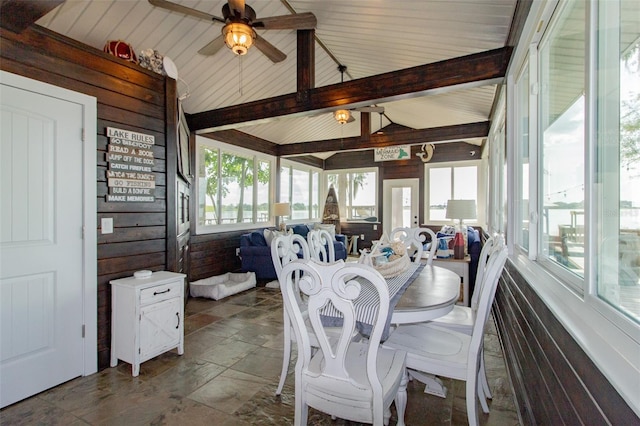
432 294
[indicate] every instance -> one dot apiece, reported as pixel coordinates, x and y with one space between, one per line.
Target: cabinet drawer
160 293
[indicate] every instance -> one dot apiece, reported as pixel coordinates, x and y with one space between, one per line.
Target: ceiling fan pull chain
240 75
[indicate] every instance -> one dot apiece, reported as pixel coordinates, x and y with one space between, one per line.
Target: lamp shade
461 209
281 209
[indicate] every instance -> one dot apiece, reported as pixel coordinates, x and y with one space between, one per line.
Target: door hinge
83 331
82 232
83 134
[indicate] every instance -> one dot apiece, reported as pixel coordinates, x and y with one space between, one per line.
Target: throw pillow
301 230
269 235
327 227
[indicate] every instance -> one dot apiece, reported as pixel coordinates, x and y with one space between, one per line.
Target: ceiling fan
240 23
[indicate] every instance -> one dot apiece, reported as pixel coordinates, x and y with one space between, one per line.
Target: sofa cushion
257 238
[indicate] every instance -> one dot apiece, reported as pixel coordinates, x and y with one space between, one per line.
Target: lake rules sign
131 161
391 153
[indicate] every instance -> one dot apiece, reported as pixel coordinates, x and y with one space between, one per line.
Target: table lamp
279 210
461 209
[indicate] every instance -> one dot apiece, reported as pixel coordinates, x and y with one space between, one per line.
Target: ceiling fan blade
351 119
174 7
269 50
237 8
377 109
300 21
212 47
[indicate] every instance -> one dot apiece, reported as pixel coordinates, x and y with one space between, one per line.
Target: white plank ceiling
369 37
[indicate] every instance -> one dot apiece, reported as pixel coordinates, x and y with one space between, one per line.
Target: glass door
400 204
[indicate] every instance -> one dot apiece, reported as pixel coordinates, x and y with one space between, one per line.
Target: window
617 168
562 125
357 192
299 186
234 187
446 182
581 177
522 152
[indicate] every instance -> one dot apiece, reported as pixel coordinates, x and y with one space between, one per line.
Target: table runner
366 303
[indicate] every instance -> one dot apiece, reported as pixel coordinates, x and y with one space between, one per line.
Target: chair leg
481 397
401 399
472 404
483 378
286 358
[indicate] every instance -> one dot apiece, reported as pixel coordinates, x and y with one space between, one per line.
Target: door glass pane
400 207
562 66
618 245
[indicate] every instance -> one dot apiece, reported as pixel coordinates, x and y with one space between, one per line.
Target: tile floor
228 376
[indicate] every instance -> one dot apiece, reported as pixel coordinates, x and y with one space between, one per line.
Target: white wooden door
400 202
41 246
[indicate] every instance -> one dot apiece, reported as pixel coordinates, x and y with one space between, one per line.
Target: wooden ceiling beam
18 15
400 137
466 71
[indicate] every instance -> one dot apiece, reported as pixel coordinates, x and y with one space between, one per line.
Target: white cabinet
460 267
147 317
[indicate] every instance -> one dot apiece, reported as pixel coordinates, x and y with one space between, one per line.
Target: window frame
310 170
480 189
232 149
341 204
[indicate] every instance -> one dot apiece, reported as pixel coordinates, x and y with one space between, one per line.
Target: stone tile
228 352
225 310
37 411
197 321
226 393
263 362
187 377
192 413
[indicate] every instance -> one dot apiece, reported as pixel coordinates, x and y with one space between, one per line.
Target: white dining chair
437 350
285 249
414 240
321 245
462 318
352 380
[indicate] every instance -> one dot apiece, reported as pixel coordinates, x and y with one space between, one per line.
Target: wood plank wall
131 98
555 382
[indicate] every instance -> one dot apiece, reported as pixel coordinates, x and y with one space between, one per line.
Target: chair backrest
322 284
490 279
414 240
286 248
321 246
491 245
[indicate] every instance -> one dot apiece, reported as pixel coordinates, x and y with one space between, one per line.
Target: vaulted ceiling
255 96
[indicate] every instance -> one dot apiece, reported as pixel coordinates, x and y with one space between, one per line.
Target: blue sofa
255 254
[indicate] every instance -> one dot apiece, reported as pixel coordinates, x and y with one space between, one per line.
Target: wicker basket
395 267
389 269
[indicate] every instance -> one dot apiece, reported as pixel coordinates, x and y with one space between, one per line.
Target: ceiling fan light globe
342 116
238 37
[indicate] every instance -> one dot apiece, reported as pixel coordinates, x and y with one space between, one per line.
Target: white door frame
89 209
387 185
